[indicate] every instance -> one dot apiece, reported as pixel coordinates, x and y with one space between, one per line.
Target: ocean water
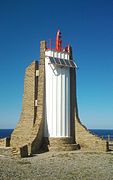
104 133
5 132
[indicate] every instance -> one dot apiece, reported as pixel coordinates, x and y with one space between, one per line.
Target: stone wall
83 137
27 136
22 132
5 142
38 128
88 141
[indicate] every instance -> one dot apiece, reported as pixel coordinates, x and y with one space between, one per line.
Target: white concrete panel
57 97
62 56
66 56
53 53
59 55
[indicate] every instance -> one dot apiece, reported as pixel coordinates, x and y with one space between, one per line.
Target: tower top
58 45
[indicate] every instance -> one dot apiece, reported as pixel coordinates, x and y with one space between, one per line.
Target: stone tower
49 118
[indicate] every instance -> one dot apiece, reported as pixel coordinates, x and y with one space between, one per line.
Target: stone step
65 147
6 151
58 141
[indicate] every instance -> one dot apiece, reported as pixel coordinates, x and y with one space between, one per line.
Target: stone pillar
72 97
38 128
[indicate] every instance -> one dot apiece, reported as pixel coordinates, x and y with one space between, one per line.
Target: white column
57 96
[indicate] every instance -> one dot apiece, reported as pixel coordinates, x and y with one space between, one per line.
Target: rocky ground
57 166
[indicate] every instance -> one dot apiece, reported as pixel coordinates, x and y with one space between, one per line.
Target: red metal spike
58 41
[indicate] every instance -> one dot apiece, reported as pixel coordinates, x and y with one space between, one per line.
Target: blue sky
86 25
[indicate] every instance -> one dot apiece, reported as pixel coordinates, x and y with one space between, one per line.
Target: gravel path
57 166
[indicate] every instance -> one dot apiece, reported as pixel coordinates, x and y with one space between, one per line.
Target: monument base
60 144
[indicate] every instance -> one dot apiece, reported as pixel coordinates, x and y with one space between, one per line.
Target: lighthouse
57 94
49 119
58 123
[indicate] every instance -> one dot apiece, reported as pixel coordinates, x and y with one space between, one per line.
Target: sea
103 133
5 133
